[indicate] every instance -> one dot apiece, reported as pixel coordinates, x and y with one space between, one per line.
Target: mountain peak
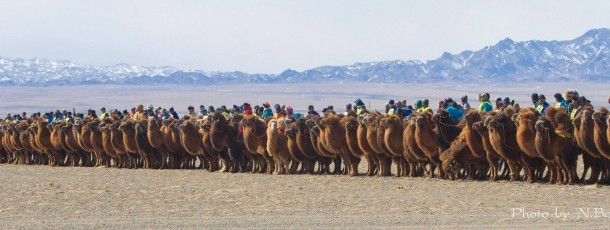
583 58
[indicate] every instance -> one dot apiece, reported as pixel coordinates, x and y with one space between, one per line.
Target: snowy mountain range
584 58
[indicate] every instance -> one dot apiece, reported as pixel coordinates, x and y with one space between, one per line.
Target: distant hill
583 58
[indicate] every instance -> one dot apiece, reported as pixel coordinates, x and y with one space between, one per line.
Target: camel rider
267 112
311 112
247 109
165 114
390 107
139 112
8 118
542 104
69 118
485 105
464 101
202 110
223 111
104 113
560 103
499 104
348 109
191 113
423 107
535 100
279 112
576 106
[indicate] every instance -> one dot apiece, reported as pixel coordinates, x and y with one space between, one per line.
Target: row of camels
523 146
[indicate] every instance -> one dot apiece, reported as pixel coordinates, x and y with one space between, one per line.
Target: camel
97 147
393 137
502 136
298 157
456 157
412 151
600 132
70 144
145 150
128 128
191 139
111 153
211 155
304 143
334 140
57 148
224 135
277 145
584 128
374 137
255 139
525 121
366 148
43 141
428 142
474 140
156 140
551 141
317 137
83 135
175 152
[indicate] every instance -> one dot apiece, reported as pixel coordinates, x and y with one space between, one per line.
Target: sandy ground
85 198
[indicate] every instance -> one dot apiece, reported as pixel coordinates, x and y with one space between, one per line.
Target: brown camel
304 143
456 157
145 150
307 164
352 125
393 137
412 151
191 139
374 137
95 138
70 144
363 143
224 136
43 141
111 154
428 141
525 121
211 155
584 135
558 143
156 140
326 157
502 135
255 139
128 130
335 141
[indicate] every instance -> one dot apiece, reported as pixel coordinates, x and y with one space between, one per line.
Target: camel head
600 115
442 116
129 124
543 125
587 117
471 117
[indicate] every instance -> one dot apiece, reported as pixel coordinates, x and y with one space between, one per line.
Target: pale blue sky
270 36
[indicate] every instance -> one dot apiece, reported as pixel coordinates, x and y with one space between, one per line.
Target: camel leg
514 173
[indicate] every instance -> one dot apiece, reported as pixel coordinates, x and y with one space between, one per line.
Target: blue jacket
455 113
267 113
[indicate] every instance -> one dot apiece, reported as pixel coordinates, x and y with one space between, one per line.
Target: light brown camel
374 132
277 146
325 156
211 155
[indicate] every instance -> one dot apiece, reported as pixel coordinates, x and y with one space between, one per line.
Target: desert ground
33 197
85 198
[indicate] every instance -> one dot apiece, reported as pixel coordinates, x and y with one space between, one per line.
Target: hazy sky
270 36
